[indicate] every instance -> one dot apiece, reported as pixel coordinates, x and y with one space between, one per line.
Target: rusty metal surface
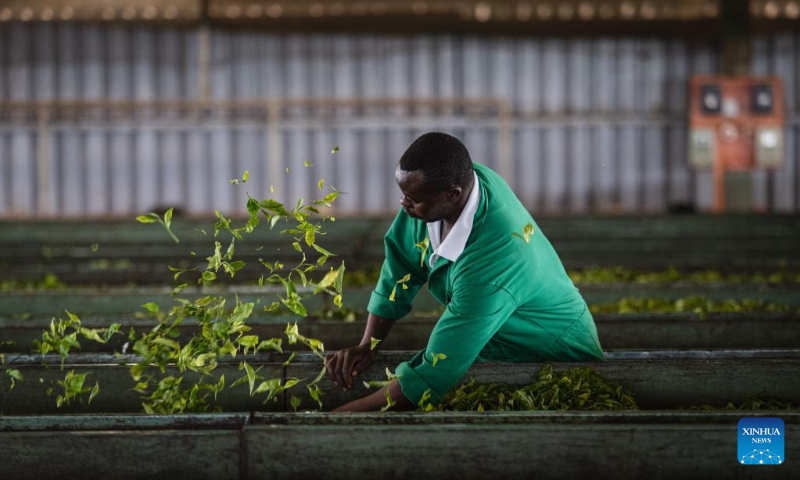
173 454
126 422
464 451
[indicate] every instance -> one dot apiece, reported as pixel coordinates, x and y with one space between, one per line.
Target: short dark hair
442 158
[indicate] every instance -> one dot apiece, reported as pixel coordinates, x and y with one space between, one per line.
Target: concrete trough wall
509 445
131 252
627 331
127 302
657 381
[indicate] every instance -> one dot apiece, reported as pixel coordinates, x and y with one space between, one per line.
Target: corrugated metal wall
592 124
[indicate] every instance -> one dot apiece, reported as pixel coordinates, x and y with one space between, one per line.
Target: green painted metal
602 450
629 331
120 454
128 301
658 380
655 383
619 417
131 252
120 422
116 385
513 445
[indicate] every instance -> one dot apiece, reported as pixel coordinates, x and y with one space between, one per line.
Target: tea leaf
149 218
246 176
373 342
335 149
437 356
152 307
294 401
95 247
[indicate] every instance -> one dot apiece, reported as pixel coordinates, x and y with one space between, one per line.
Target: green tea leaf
246 176
95 247
373 342
149 218
335 149
152 307
294 401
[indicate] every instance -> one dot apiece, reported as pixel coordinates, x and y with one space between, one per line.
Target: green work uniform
507 299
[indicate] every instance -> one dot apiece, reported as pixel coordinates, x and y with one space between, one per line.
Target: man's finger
328 365
364 363
347 369
337 369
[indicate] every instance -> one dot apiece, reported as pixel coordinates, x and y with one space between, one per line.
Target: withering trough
131 252
506 445
658 380
627 331
127 301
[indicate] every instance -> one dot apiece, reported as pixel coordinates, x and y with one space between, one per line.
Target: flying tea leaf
373 342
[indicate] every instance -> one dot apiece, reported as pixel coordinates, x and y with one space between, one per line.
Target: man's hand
345 364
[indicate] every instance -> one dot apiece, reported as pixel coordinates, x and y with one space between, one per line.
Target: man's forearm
378 400
377 327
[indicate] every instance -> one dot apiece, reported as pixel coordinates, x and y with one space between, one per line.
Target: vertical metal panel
654 86
445 63
19 76
271 65
628 101
377 172
760 66
122 196
346 159
578 87
120 65
603 64
598 123
95 151
169 71
147 170
221 170
44 60
171 160
5 46
528 93
23 180
5 176
321 66
784 179
703 61
677 75
144 85
198 195
246 78
529 167
93 62
71 162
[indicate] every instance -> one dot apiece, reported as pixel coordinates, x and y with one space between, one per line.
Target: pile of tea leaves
699 305
751 403
579 388
598 275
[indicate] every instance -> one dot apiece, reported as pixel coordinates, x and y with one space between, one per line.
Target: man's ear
454 194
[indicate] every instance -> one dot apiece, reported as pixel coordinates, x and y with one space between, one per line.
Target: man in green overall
508 298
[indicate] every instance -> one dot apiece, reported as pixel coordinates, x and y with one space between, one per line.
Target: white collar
456 240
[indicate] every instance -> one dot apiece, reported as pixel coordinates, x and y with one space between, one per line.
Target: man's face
421 201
